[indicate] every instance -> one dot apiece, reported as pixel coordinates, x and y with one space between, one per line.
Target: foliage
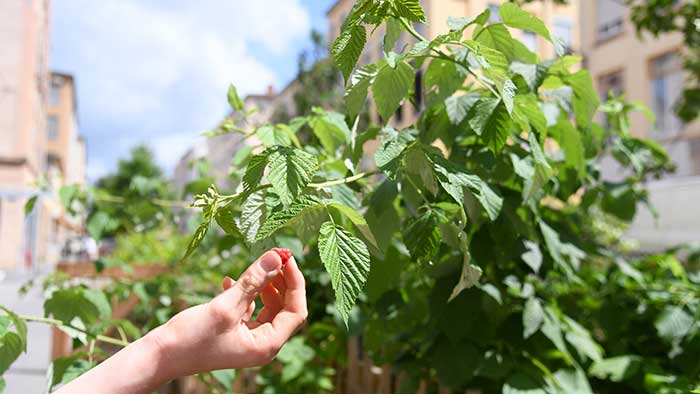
483 252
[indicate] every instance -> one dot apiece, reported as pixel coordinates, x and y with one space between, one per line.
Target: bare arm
211 336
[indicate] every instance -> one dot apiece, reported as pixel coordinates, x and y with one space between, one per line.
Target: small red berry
284 254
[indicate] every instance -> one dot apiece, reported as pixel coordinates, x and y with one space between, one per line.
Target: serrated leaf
513 16
573 381
330 129
585 101
255 171
533 74
533 317
224 218
357 219
421 235
87 305
356 92
442 79
197 238
289 216
580 338
409 9
10 350
390 150
458 106
346 259
290 170
507 94
468 278
542 170
233 99
390 87
20 326
348 47
454 178
570 140
527 112
253 214
420 167
271 135
393 32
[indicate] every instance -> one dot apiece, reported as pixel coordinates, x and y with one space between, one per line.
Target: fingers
227 283
234 302
293 312
272 301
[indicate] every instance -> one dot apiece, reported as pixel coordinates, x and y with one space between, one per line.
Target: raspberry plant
482 242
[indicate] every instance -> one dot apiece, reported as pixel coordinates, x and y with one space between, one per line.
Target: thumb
249 285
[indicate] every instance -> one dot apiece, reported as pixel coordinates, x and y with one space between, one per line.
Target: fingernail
269 264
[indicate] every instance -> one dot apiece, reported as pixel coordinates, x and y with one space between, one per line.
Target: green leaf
513 16
330 128
101 223
533 256
290 170
420 168
409 9
616 369
225 377
390 87
271 135
197 238
356 92
543 171
573 381
348 47
20 326
585 101
421 235
29 205
458 23
224 218
533 317
346 259
233 99
65 369
527 112
390 150
255 171
87 305
296 212
357 219
253 214
533 74
10 350
558 249
468 278
523 384
458 106
294 355
497 36
393 32
507 94
673 323
454 178
580 338
442 79
489 118
572 145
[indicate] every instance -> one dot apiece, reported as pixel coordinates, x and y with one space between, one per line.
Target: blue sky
156 71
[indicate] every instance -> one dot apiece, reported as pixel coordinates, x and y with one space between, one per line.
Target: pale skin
216 335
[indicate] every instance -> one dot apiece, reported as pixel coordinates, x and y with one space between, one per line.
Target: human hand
220 334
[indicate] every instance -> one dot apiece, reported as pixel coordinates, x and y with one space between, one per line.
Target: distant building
649 70
27 151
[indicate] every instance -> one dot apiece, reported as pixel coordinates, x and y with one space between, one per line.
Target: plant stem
342 181
59 323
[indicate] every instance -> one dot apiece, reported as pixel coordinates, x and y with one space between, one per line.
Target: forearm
136 369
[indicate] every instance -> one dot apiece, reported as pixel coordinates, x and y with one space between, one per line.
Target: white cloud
157 71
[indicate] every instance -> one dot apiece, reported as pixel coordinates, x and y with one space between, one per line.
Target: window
494 17
562 28
666 88
55 91
610 18
52 127
529 38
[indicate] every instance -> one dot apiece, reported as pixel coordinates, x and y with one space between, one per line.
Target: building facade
648 69
29 156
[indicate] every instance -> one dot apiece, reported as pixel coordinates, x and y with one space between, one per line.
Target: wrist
160 346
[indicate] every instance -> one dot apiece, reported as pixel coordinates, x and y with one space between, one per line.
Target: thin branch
59 323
